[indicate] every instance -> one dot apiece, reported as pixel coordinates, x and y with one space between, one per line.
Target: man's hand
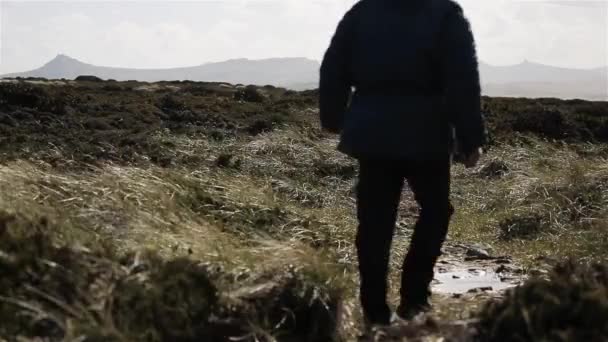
472 159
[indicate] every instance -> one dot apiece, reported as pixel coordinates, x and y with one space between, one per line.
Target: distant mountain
535 72
537 80
276 71
521 80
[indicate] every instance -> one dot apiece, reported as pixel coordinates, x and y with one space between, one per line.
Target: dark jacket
413 68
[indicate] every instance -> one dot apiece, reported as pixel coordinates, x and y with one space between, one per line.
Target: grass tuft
571 305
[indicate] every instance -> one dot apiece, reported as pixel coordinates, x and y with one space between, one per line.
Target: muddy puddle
467 269
474 280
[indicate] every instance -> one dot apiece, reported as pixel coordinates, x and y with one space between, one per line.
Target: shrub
43 79
548 118
88 78
96 123
260 126
227 160
170 102
304 195
177 299
524 225
52 293
494 169
583 196
571 305
251 94
332 168
31 96
112 87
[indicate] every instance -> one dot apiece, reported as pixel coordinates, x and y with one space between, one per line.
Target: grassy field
182 211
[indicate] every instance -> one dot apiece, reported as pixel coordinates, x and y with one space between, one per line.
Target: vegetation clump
523 225
571 305
26 95
61 293
548 118
335 168
494 169
171 102
230 194
88 78
31 124
229 161
251 94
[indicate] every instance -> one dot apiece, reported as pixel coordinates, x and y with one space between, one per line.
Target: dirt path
466 276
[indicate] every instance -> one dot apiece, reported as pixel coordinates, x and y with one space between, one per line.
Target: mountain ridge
527 79
276 71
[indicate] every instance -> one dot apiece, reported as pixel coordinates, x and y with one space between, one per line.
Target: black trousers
378 196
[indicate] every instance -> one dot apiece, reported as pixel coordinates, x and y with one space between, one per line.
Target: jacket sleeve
460 77
335 79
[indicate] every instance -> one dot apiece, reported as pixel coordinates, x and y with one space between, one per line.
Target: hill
275 71
537 80
521 80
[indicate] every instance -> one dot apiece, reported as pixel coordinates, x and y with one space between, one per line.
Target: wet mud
472 269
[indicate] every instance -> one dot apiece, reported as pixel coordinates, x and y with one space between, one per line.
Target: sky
160 34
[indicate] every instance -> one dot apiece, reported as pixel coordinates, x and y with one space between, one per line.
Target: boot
372 331
412 306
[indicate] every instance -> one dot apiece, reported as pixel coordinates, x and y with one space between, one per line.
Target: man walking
413 67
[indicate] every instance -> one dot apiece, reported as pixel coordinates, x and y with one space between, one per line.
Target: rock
481 289
475 253
502 269
538 273
503 260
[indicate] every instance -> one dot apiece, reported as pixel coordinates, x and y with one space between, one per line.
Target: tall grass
177 212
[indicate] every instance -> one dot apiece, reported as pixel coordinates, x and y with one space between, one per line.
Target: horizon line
525 61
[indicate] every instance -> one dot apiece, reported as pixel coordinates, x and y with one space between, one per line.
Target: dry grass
127 209
275 211
571 305
261 197
553 197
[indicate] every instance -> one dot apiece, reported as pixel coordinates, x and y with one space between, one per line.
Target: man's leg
430 182
378 195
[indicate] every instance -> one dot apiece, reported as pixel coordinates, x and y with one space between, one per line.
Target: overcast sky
154 34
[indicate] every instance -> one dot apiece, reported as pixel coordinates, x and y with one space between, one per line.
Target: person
400 84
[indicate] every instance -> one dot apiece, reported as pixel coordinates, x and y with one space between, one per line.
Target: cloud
168 33
596 4
165 34
508 32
